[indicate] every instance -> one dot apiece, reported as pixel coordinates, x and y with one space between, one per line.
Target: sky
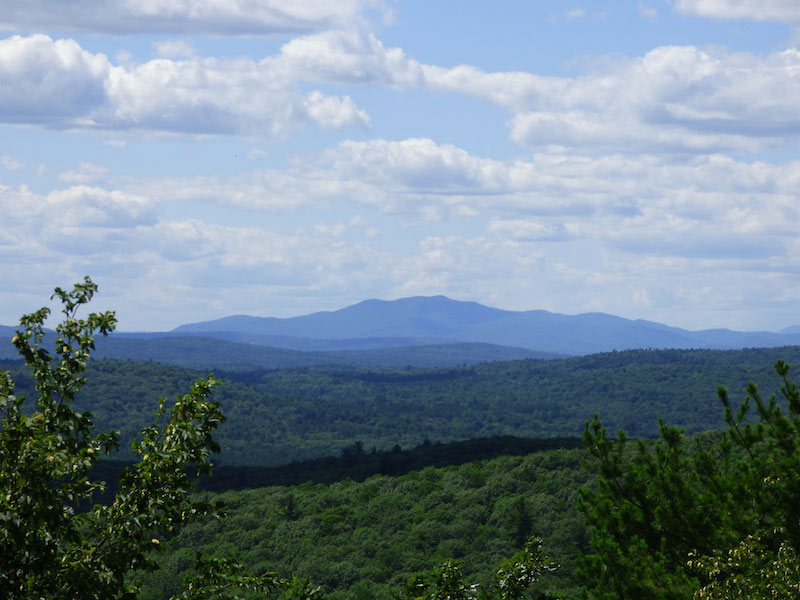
203 158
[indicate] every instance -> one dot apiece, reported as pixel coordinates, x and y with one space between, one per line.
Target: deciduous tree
50 547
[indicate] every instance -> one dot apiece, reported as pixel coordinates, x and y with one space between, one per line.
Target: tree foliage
711 520
49 548
511 580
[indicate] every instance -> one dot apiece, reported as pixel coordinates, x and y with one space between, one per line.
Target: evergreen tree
668 520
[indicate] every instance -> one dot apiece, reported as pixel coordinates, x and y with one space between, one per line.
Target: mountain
443 320
6 331
433 322
418 317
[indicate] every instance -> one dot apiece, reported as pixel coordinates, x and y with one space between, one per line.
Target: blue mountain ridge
438 319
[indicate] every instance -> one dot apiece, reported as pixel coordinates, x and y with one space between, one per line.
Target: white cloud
61 211
351 56
419 166
591 131
681 98
11 164
228 17
418 163
116 236
85 173
95 207
575 13
641 297
216 96
703 207
262 190
672 99
57 84
51 83
560 232
756 10
335 113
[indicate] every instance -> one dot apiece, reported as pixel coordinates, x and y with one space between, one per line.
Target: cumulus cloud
674 98
562 232
711 207
335 113
351 56
421 165
677 97
417 163
229 17
52 83
60 85
74 207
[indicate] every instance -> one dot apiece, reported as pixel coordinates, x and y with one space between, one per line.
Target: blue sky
201 158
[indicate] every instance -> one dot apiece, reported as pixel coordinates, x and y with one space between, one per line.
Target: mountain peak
440 318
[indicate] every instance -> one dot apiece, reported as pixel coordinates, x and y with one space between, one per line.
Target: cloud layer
673 99
228 17
754 10
626 231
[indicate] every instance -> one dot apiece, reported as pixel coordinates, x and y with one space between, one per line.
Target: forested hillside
279 416
654 519
210 353
363 540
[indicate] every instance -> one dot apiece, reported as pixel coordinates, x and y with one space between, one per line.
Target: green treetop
48 548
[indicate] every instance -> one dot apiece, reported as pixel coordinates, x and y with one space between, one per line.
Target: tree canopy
50 546
715 518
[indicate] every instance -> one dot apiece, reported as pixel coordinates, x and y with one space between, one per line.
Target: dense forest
278 416
211 353
363 540
356 479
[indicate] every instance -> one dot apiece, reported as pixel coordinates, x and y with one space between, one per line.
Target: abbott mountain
440 320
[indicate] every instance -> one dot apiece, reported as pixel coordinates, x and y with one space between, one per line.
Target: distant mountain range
437 319
420 331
